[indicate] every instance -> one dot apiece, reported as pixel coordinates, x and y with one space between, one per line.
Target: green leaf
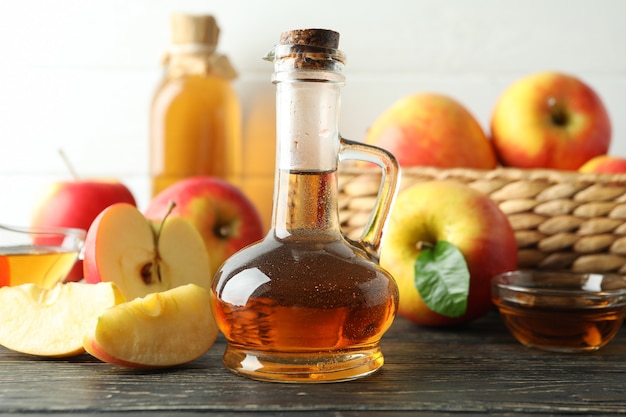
442 279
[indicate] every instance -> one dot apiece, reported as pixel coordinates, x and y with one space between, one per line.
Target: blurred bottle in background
195 117
259 153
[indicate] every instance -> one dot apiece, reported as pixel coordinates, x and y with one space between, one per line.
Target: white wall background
79 75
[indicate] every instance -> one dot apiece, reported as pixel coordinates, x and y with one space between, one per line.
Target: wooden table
475 370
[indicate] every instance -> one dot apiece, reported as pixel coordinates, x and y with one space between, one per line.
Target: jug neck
307 124
308 93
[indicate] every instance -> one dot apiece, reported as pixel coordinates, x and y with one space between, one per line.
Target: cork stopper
194 29
311 49
311 37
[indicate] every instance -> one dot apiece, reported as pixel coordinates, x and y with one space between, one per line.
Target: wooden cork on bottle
194 29
311 37
312 49
194 45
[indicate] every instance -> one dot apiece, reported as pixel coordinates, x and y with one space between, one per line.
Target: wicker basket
562 220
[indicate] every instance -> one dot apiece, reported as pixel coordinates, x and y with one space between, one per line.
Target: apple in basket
444 243
604 164
432 130
550 120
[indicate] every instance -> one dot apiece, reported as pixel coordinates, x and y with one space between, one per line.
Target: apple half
223 215
160 330
142 256
52 322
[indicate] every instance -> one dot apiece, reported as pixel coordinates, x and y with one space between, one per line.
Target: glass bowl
39 255
561 311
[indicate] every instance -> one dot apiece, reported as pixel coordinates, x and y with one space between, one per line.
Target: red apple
76 204
52 322
5 271
550 120
143 256
604 164
160 330
458 239
433 130
224 216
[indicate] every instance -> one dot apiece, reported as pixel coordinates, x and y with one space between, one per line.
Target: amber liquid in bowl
41 265
561 330
561 311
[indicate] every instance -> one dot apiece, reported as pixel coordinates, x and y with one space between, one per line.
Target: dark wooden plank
477 369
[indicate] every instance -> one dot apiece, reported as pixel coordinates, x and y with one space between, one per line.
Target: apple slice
160 330
52 322
142 256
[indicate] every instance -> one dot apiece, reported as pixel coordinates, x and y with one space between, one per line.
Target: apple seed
146 273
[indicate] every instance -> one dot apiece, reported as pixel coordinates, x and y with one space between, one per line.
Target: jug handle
372 234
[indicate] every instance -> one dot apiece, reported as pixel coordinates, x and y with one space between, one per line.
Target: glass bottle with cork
195 116
306 304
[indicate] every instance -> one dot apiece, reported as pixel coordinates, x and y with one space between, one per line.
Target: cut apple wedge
52 322
142 256
163 329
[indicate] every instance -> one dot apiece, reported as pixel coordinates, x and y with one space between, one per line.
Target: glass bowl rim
49 230
499 284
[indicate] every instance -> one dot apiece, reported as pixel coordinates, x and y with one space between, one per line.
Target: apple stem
69 165
157 236
170 207
557 112
424 245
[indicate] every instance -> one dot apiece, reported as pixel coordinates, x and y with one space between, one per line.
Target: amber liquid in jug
195 120
306 304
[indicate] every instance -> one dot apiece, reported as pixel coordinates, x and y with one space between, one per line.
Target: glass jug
306 304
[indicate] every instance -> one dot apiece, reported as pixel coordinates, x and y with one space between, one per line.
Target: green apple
52 322
550 120
444 242
163 329
143 256
226 219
